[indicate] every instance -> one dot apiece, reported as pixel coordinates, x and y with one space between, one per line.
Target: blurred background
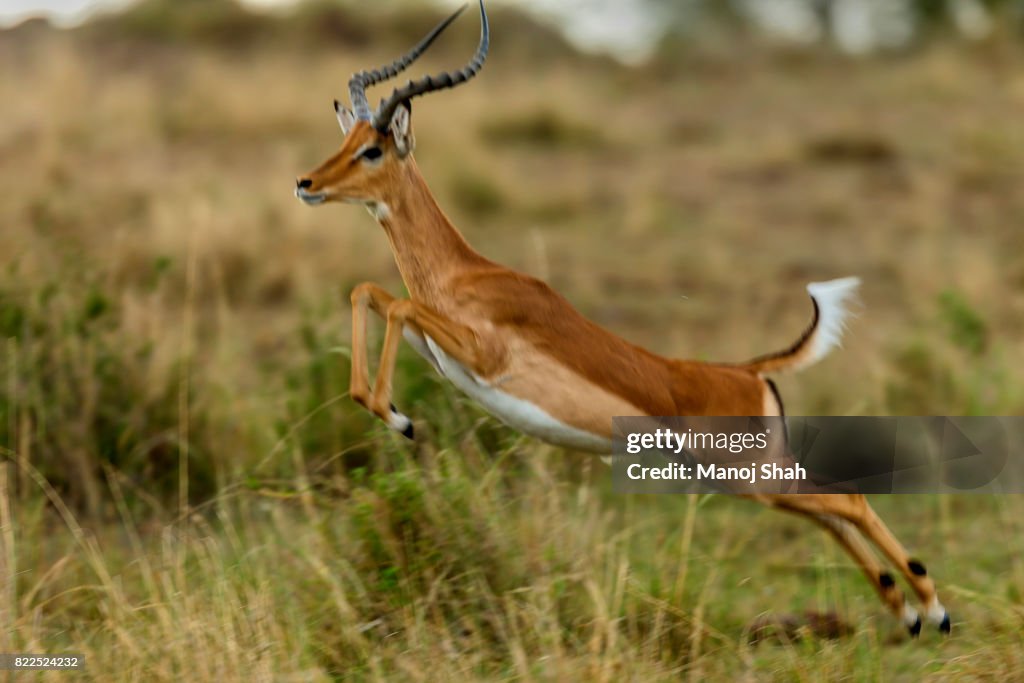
175 326
633 31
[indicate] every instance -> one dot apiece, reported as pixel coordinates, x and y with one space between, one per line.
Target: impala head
377 143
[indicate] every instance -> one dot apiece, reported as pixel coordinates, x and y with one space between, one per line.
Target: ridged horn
359 82
382 118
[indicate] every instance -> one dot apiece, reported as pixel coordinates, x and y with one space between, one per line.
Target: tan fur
516 334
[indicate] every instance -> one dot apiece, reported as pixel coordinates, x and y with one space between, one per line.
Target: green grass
455 563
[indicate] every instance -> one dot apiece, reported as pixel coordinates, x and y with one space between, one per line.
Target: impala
520 350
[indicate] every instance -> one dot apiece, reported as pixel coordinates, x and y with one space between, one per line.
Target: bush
81 393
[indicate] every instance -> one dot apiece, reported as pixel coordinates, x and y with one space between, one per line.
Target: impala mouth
311 198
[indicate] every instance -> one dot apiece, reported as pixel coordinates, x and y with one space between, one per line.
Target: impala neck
428 249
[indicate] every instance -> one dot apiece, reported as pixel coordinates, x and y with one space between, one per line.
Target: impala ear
401 129
346 119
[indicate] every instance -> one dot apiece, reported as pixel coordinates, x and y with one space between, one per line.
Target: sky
61 11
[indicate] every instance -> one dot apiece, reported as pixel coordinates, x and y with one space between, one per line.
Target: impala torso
548 371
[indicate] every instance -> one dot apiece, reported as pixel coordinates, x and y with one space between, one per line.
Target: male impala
525 354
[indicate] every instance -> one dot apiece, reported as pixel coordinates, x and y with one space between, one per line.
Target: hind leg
873 528
853 543
846 534
856 510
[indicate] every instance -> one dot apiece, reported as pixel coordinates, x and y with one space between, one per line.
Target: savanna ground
189 495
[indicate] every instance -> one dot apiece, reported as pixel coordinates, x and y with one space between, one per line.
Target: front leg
368 296
365 296
457 340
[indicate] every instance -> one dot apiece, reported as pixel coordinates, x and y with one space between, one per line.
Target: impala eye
372 153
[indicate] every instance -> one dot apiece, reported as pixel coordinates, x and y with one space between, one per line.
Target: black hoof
915 628
945 626
407 432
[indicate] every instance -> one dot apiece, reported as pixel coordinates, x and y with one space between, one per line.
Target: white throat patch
378 210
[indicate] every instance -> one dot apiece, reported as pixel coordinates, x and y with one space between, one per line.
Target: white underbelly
513 411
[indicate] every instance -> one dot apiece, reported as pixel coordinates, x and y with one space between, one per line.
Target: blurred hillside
631 31
309 25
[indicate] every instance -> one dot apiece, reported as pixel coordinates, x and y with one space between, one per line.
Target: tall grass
459 565
448 567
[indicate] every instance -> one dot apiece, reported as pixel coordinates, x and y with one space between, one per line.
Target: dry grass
189 495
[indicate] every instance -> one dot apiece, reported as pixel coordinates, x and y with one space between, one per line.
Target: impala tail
830 301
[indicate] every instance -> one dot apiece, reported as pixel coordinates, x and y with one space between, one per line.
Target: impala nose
303 183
